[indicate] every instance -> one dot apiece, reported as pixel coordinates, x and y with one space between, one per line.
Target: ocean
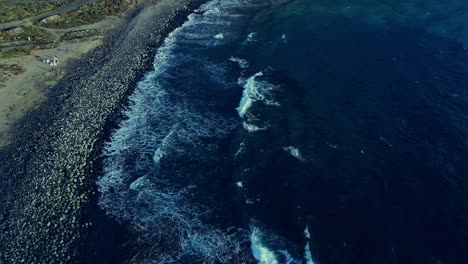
299 132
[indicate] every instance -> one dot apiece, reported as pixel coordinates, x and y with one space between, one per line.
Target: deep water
299 132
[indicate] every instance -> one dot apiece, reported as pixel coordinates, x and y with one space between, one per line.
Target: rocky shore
48 173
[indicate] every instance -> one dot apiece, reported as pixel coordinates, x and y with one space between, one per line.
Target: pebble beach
48 172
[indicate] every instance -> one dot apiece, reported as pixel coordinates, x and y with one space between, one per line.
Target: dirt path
50 31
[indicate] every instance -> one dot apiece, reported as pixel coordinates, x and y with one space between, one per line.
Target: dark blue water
299 132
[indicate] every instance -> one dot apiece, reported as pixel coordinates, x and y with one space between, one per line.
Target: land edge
32 133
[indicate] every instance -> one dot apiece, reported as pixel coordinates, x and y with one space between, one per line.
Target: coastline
49 170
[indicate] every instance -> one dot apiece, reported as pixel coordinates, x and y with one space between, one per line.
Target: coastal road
72 6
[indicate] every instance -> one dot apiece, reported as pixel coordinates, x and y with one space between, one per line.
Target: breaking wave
294 152
250 38
255 90
253 128
244 64
168 122
262 253
269 248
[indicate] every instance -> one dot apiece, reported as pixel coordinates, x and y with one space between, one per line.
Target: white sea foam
157 126
255 90
252 127
284 38
219 36
268 247
212 11
159 153
139 183
246 100
308 254
306 232
288 259
261 253
294 152
250 37
244 64
333 146
240 150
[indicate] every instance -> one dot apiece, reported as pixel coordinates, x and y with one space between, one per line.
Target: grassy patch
116 7
21 11
15 69
24 33
14 52
7 70
88 14
80 34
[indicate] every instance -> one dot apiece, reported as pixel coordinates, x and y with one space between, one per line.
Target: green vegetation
115 7
80 34
20 41
10 12
15 52
88 14
14 69
22 34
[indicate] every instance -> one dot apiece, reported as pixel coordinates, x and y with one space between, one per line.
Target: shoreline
49 169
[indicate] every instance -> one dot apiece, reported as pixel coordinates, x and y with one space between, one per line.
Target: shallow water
316 132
